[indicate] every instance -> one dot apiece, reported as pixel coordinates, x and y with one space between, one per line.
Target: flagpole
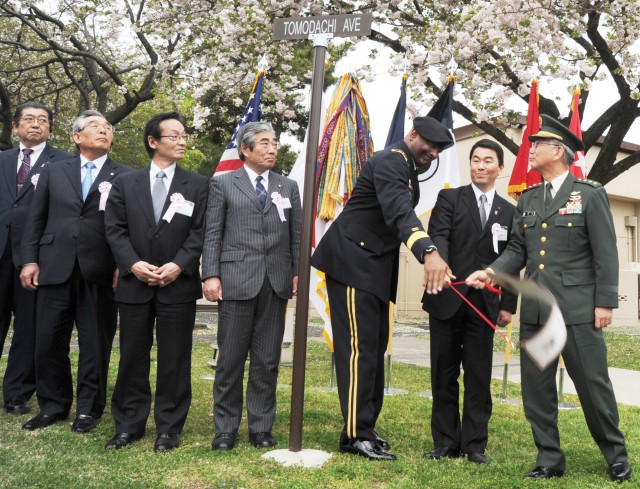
320 43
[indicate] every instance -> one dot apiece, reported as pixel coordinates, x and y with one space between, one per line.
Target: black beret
433 131
554 129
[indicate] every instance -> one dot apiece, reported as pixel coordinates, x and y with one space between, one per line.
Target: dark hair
32 105
153 128
489 144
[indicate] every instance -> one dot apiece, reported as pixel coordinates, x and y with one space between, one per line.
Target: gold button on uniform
542 252
544 225
569 225
543 239
541 266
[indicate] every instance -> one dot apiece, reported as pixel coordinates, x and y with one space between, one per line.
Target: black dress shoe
620 471
366 448
477 458
166 441
120 440
442 452
262 440
17 407
542 472
84 423
382 443
223 441
42 421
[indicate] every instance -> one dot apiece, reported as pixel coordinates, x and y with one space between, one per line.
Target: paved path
415 351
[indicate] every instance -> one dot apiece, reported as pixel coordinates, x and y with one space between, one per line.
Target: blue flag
396 130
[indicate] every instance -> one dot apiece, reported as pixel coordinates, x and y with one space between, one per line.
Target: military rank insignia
574 204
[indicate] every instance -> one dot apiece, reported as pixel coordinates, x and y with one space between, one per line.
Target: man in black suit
66 258
19 171
470 226
155 227
359 255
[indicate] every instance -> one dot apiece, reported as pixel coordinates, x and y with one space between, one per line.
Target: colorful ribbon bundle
345 146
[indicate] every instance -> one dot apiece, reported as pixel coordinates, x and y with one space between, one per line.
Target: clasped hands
153 275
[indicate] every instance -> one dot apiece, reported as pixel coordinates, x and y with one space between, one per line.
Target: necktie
483 210
159 195
547 196
25 168
260 190
87 181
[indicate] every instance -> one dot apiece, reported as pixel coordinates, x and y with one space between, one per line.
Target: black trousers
360 325
19 382
93 310
464 339
131 402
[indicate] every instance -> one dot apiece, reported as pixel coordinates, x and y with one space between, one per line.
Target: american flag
230 159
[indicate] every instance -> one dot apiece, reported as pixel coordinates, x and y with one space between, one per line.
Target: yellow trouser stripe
415 237
353 363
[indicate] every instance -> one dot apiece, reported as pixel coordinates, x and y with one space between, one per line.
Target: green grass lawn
57 458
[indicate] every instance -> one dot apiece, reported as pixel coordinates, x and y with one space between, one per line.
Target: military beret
433 131
554 129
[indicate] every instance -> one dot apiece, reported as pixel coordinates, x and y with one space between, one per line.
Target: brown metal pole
302 303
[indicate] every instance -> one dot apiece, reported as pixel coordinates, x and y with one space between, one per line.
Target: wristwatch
430 249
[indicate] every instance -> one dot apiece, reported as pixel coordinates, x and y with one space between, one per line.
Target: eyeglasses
267 144
535 144
94 126
175 137
41 121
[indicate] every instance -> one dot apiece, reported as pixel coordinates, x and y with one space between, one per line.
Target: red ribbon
486 320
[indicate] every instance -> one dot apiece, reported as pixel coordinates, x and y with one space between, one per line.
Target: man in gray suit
250 266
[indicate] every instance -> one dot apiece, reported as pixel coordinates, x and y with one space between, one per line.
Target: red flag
579 167
522 175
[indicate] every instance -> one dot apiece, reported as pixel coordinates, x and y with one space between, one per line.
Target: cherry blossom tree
502 45
117 54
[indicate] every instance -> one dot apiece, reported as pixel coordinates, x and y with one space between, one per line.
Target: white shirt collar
253 175
490 194
168 171
37 151
98 161
557 182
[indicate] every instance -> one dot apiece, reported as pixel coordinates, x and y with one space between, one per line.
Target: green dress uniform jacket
570 248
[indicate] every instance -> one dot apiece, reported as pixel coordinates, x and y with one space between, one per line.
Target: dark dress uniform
569 248
359 255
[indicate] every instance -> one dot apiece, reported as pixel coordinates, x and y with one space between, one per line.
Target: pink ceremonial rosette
104 189
177 199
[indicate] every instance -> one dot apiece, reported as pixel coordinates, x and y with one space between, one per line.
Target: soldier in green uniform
563 234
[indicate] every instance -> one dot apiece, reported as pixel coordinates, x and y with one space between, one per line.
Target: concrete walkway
415 351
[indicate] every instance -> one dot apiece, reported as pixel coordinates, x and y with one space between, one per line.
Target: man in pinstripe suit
250 266
65 257
156 230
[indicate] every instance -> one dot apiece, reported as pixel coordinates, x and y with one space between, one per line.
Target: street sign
347 25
